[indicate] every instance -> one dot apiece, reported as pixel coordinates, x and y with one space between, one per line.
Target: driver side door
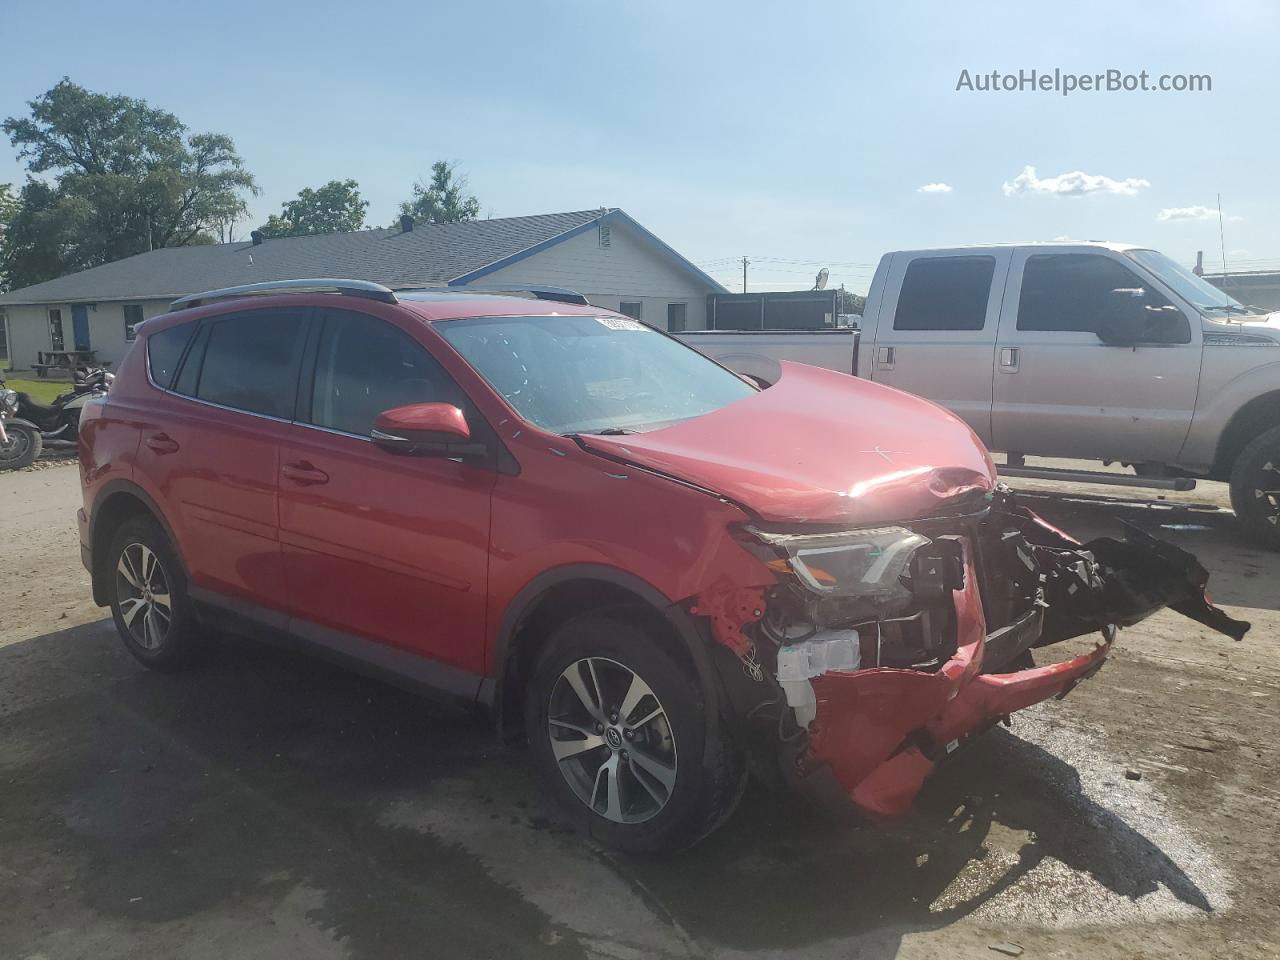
385 555
1059 391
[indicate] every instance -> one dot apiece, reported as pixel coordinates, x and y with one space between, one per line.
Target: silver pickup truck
1097 351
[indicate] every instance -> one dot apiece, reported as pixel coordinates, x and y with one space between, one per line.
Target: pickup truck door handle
885 357
304 474
162 443
1008 359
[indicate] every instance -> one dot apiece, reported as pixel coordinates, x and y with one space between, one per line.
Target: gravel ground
272 806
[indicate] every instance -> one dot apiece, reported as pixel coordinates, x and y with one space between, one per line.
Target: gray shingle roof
430 253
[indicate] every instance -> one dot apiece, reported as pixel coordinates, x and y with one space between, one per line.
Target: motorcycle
26 425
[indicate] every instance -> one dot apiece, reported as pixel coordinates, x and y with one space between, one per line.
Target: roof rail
353 288
559 294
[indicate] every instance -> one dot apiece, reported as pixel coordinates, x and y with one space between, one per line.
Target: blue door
80 325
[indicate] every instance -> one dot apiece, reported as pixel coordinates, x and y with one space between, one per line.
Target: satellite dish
820 282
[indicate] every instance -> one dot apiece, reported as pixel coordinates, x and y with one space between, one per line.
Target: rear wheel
21 448
1255 488
618 730
149 601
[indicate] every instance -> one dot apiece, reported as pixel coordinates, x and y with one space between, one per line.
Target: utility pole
744 274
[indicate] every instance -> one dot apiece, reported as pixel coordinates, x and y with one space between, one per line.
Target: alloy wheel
142 589
612 740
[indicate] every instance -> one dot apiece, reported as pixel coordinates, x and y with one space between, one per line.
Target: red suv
661 574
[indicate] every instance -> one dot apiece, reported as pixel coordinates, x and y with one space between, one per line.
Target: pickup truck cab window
1070 293
945 293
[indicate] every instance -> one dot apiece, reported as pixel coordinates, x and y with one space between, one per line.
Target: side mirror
1123 322
425 430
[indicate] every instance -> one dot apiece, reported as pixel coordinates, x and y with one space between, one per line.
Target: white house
602 253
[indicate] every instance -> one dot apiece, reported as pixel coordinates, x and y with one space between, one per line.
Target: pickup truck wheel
1255 488
618 731
149 601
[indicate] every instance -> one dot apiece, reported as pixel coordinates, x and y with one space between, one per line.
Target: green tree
847 302
443 200
334 208
111 176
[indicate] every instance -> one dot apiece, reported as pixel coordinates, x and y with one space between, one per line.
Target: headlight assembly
848 563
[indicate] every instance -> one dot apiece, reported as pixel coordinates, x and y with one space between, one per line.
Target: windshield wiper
614 432
1228 307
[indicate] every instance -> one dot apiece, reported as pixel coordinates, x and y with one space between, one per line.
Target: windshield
1197 291
574 374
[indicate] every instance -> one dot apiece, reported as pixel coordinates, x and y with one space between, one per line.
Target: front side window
576 374
365 366
56 339
1076 293
945 293
132 317
251 362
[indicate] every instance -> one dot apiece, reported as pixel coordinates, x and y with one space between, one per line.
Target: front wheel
618 729
21 446
1255 488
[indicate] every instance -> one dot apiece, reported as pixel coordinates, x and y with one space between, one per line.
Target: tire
1255 488
675 774
143 566
23 447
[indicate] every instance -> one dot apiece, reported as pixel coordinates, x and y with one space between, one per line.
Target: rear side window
365 366
251 362
164 350
1071 292
945 293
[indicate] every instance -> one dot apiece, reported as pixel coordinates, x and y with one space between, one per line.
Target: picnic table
47 360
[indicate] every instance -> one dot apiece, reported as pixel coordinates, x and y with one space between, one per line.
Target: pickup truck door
1061 392
936 330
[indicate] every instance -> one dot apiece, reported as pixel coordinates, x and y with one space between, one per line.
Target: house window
675 317
631 308
56 341
132 317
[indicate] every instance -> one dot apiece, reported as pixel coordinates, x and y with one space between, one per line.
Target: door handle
1008 359
162 443
885 357
304 474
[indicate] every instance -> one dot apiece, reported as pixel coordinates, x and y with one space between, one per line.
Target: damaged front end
879 650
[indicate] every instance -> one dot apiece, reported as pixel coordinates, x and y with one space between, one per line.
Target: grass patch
42 391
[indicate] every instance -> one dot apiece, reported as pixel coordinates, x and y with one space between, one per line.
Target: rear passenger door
937 329
386 554
210 449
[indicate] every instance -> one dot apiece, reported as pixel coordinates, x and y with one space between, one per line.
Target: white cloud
935 188
1190 213
1077 183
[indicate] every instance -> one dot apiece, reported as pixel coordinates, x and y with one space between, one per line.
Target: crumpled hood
819 447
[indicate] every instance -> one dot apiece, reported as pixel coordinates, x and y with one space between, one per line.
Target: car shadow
166 798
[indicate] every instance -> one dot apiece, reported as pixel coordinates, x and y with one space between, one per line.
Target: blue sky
796 134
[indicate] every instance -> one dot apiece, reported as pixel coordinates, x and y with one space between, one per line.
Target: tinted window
365 366
1074 292
251 362
164 350
945 293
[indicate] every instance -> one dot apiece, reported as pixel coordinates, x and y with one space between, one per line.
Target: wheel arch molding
116 501
502 690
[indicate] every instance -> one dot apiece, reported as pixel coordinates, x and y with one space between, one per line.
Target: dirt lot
269 806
